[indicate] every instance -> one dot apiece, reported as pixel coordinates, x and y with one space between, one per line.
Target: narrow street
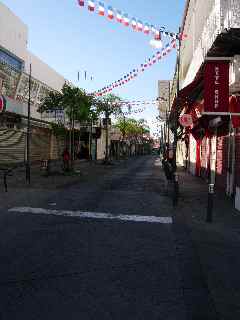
109 247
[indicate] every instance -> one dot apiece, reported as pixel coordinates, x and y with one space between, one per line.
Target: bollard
210 203
5 181
175 189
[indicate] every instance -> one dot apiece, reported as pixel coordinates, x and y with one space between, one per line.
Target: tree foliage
72 100
108 105
132 129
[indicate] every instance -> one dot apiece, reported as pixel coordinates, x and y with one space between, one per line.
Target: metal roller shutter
222 159
12 146
40 145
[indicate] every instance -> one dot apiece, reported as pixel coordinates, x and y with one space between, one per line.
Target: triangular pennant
81 3
91 5
101 9
110 13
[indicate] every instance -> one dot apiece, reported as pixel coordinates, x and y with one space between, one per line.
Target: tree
107 106
133 130
74 102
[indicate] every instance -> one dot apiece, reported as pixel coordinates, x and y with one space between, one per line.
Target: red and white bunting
135 72
126 21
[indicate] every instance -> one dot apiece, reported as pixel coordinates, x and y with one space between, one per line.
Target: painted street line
93 215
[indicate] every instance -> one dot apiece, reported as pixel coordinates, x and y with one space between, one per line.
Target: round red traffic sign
2 104
186 120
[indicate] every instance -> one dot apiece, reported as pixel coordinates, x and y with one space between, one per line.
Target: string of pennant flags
139 102
123 18
133 112
133 74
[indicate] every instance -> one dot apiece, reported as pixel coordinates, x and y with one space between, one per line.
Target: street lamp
175 182
28 166
106 124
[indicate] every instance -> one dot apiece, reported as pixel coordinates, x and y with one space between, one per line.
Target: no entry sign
2 104
186 120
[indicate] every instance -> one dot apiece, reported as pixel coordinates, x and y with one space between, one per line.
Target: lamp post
28 164
175 176
177 97
107 119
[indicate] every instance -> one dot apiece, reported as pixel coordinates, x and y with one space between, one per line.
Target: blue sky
71 39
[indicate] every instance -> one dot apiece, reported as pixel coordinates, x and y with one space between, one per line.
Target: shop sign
186 120
216 86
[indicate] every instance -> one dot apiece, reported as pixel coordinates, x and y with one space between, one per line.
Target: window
9 59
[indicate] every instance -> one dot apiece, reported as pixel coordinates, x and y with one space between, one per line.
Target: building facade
213 43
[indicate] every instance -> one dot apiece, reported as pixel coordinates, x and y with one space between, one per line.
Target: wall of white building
14 38
42 72
13 33
204 21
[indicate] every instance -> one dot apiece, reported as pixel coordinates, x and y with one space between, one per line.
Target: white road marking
93 215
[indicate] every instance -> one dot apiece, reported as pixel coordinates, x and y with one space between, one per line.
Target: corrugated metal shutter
237 160
12 146
204 158
40 145
222 160
57 148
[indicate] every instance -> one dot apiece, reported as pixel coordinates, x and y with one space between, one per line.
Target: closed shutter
12 146
204 158
40 145
57 147
222 160
237 160
192 154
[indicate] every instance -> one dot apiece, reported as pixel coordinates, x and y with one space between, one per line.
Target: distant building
163 95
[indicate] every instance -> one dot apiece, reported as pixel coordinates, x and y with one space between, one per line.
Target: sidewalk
217 244
56 178
43 186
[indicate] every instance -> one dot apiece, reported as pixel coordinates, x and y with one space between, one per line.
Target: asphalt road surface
108 248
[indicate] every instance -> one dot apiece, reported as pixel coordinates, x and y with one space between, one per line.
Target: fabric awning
234 107
189 93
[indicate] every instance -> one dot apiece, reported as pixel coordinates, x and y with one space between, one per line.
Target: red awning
188 91
234 107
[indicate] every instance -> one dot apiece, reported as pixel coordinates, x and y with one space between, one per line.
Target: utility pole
124 133
107 119
73 139
28 164
175 177
178 89
90 139
168 112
